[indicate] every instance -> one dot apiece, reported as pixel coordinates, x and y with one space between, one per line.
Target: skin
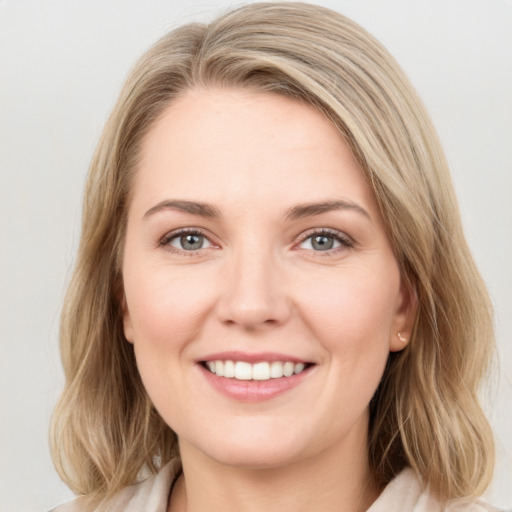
258 284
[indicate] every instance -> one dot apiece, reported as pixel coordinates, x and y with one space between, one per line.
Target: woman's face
255 250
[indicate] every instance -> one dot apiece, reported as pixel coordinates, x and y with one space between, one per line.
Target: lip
252 390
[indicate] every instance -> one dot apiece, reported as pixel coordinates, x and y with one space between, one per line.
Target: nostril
269 313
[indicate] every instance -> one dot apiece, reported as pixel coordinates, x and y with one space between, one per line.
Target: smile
261 371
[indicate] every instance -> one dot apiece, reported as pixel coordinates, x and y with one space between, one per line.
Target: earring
401 338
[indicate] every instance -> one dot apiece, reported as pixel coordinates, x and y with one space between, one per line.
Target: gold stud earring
401 338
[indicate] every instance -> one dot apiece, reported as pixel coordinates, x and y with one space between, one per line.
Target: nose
254 292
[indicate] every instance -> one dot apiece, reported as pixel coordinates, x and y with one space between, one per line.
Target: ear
127 320
403 322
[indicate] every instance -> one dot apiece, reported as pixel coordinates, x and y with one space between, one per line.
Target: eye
188 241
325 241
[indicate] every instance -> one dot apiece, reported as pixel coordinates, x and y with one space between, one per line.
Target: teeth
261 371
299 368
229 369
288 369
276 369
242 370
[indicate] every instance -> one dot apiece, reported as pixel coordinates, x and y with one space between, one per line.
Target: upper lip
251 357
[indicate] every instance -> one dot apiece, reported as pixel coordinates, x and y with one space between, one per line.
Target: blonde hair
425 413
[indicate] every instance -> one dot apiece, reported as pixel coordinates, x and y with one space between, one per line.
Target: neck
337 479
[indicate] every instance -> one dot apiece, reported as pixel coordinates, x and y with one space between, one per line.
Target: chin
257 457
256 451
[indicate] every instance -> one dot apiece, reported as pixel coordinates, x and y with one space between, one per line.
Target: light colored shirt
403 494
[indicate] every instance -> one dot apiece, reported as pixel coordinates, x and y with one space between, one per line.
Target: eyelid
165 240
346 241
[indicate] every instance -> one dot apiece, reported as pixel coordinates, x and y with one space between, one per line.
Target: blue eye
325 241
187 241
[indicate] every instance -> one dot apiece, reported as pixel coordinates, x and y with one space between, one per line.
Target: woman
273 305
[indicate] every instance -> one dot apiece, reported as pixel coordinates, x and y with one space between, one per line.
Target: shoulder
478 506
150 495
408 494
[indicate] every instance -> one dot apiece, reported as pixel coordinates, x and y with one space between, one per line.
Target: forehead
224 145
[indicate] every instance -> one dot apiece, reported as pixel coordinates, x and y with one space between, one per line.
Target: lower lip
253 390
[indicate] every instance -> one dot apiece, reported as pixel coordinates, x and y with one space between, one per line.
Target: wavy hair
425 414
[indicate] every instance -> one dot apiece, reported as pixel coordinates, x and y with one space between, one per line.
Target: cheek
351 316
165 306
167 311
352 310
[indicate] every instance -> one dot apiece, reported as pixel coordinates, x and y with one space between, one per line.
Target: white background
62 63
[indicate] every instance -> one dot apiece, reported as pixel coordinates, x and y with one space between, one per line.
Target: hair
425 413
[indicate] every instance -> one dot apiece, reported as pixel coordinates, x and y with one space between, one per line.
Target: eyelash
345 242
166 240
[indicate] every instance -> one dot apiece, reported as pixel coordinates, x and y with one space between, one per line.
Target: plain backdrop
62 63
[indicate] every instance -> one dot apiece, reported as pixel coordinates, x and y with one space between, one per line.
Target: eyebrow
311 209
192 207
297 212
